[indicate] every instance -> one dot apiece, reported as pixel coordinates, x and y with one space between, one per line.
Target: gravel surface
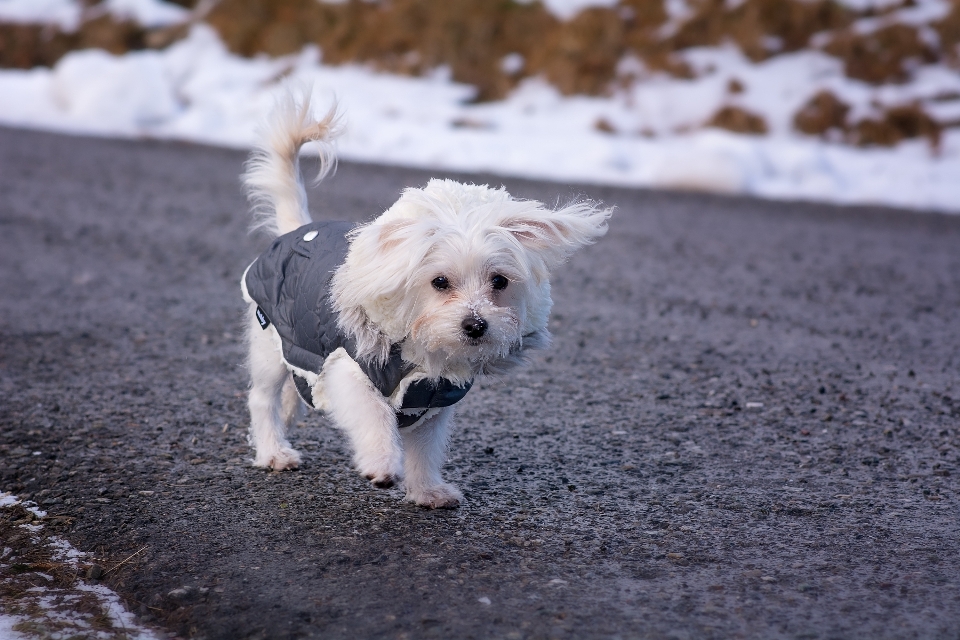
747 426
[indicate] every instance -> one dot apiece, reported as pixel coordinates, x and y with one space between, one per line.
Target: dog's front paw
382 480
383 472
441 496
283 458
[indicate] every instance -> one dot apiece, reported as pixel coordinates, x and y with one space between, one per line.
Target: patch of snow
65 552
678 11
119 616
96 88
147 13
34 509
56 609
567 9
512 63
7 622
197 90
62 13
920 13
681 9
863 5
66 14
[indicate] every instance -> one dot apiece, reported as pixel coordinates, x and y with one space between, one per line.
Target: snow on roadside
46 599
566 9
62 13
66 14
197 90
148 13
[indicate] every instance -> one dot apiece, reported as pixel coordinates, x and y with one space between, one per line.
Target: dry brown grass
886 55
404 36
58 609
603 125
756 24
579 56
826 115
895 125
470 36
823 113
738 120
949 31
473 36
24 46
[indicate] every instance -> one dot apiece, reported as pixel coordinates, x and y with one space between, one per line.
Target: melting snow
196 90
55 611
66 13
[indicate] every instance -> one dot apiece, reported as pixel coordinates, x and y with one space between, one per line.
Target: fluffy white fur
386 293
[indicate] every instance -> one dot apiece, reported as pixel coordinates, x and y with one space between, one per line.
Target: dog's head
459 274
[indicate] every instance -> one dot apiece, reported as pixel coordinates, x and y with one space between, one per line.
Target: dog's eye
499 282
440 283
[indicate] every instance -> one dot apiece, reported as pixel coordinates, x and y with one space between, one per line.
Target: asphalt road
747 426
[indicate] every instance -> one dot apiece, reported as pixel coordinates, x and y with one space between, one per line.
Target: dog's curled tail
271 176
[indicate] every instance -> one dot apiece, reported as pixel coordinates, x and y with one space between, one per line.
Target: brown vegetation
823 113
470 36
24 46
826 113
63 608
895 125
604 126
577 56
405 36
581 55
473 36
885 55
755 25
738 120
949 31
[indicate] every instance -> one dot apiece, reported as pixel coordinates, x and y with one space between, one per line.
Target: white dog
385 326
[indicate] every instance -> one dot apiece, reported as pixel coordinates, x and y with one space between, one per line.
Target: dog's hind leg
362 412
268 402
291 404
425 451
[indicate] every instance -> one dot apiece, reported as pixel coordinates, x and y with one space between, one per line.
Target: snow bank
62 13
652 133
566 9
66 13
148 13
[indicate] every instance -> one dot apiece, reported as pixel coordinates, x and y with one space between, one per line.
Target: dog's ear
392 235
555 235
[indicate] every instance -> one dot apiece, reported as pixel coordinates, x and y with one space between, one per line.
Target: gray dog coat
290 283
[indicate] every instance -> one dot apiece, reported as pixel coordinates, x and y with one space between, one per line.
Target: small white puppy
385 326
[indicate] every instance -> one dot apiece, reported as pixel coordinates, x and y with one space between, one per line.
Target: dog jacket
290 283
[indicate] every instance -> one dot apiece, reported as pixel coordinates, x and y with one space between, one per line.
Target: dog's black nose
474 327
